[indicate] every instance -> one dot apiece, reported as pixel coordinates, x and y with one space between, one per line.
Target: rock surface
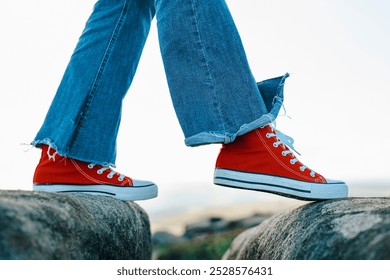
354 228
38 225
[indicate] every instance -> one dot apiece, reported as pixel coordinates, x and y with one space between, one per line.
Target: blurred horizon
190 201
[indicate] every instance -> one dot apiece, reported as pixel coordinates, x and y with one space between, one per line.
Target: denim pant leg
84 117
214 93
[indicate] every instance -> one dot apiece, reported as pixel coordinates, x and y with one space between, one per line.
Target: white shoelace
53 156
100 171
104 168
285 140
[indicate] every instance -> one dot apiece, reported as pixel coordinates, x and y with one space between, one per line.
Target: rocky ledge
37 225
354 228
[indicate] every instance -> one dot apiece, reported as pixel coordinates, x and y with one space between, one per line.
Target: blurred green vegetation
207 247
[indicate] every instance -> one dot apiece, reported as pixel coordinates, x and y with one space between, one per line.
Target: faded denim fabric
213 91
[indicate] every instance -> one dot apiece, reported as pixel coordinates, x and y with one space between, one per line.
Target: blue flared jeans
214 93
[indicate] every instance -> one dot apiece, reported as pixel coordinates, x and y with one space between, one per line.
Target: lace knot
53 156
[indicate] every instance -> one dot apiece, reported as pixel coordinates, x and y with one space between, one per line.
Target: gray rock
248 222
355 228
38 225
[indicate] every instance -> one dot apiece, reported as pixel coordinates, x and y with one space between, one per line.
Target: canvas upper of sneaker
261 151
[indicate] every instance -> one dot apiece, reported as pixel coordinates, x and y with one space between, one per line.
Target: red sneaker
260 161
56 173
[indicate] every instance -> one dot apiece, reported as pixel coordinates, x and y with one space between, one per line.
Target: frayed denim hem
205 138
46 141
272 93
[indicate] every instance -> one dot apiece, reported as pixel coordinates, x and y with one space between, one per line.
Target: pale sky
337 52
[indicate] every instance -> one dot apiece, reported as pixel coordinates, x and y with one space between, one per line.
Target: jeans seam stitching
216 99
102 66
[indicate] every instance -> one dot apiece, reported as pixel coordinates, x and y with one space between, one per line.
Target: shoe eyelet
268 135
284 153
292 161
99 172
300 168
275 145
120 179
312 175
90 166
109 176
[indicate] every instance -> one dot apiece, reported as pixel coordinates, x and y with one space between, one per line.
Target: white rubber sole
281 186
147 190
